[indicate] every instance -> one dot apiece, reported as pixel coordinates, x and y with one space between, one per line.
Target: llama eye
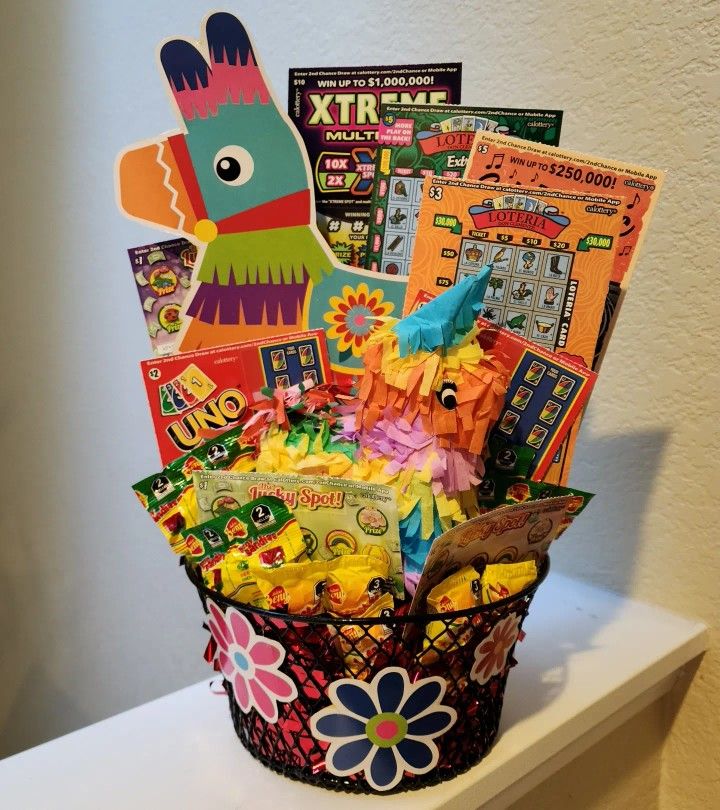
234 165
447 395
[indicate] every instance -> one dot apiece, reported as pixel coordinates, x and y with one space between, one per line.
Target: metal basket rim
415 618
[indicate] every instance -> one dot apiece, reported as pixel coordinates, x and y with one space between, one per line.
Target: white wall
95 616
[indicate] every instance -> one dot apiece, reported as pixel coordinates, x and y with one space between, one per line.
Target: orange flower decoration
355 316
491 654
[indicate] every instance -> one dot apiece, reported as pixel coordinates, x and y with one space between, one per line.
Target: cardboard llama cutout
237 180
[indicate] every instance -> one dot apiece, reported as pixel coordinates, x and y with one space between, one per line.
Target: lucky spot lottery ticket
336 516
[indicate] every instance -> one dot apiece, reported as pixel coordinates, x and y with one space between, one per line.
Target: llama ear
228 41
235 75
232 75
184 66
188 75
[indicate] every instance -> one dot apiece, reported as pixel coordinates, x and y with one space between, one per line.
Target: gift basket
395 704
363 467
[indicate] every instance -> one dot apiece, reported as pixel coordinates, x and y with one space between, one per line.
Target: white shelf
591 660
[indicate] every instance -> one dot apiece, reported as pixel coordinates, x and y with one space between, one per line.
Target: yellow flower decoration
355 316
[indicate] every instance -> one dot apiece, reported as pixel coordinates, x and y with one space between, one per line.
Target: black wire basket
366 705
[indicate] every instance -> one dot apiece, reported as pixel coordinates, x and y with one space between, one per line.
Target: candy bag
354 582
231 550
169 496
501 580
506 458
359 645
337 516
295 588
457 592
499 489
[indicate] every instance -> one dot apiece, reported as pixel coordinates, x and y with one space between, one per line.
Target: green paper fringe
277 256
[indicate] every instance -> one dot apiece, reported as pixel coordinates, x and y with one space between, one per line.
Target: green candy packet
229 550
508 459
168 496
251 527
500 489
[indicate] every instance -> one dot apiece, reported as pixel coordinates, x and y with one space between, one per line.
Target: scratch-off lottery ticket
508 534
547 392
336 111
495 159
194 396
162 276
551 256
415 141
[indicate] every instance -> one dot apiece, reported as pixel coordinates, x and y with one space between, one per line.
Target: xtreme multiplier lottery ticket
336 111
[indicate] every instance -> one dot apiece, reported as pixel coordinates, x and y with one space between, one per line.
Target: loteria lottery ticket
551 256
495 159
550 253
415 141
336 111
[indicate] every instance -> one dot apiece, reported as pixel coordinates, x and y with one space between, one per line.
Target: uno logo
215 414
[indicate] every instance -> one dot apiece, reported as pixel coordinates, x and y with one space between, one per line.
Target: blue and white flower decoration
383 727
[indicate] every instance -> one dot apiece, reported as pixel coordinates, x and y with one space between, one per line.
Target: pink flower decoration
491 653
250 663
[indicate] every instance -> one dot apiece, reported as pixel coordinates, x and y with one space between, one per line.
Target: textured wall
621 772
96 617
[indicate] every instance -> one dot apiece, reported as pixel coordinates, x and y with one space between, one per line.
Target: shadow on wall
34 407
621 469
612 525
591 781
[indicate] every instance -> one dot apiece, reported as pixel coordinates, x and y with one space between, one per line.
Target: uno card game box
196 395
546 395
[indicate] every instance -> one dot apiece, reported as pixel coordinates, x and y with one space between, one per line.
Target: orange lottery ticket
496 159
551 256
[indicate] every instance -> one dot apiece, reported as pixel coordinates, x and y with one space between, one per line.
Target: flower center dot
241 661
359 320
386 730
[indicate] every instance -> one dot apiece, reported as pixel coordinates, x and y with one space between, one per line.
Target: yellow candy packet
360 645
501 580
295 588
231 550
354 582
237 583
459 591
